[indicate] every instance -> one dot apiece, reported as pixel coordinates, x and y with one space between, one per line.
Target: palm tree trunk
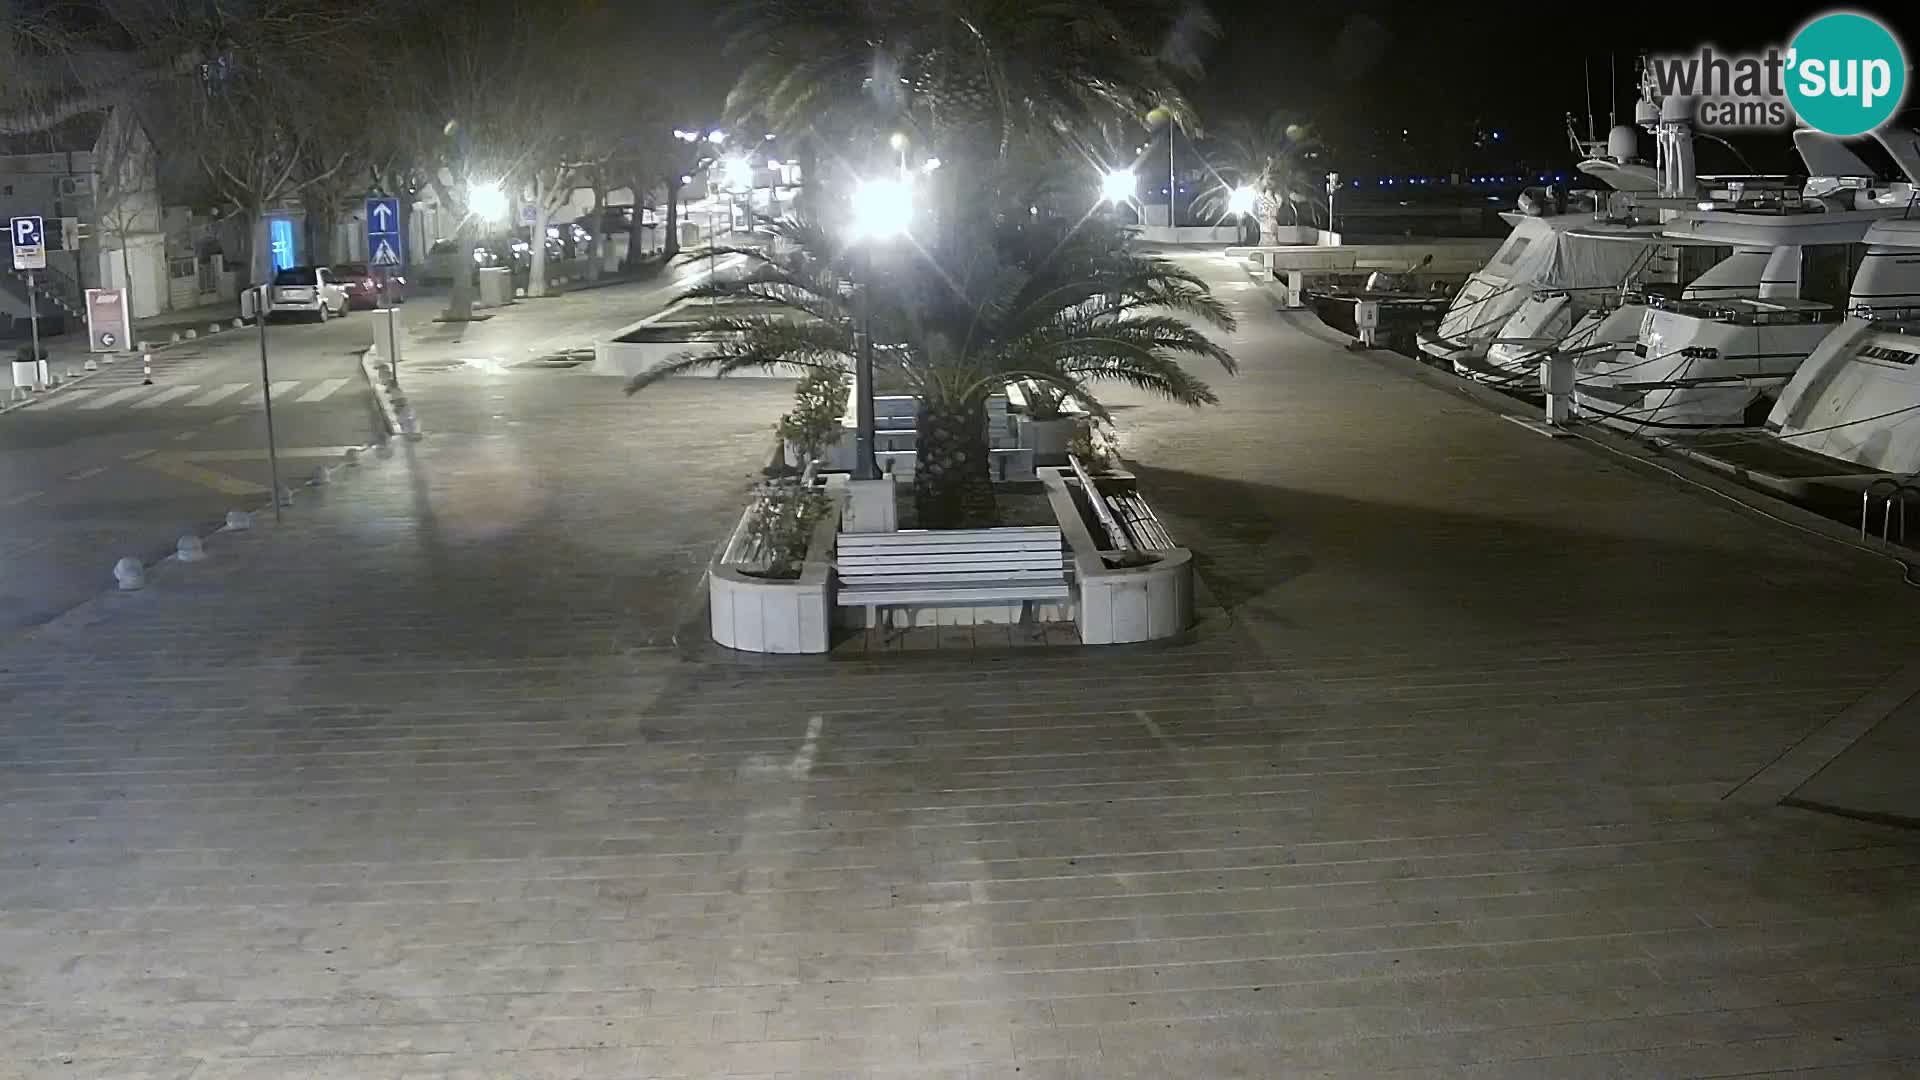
952 487
671 246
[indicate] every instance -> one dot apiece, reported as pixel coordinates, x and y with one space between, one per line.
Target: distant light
1034 210
1496 136
1403 132
769 136
1559 176
1706 204
716 137
1242 200
897 140
1117 185
882 208
686 178
930 165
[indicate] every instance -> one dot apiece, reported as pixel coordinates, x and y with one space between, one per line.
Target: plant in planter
818 404
783 521
961 314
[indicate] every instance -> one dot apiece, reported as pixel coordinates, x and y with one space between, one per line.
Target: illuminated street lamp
488 202
1333 186
882 210
1242 200
1117 186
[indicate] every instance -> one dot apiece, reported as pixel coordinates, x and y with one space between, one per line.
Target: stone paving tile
421 786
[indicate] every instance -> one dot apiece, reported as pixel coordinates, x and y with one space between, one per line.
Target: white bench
933 568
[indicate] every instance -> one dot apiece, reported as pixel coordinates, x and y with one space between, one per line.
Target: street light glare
1117 185
739 173
882 208
930 165
1242 200
716 137
488 201
897 140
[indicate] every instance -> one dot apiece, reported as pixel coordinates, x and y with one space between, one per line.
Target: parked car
441 261
364 287
309 290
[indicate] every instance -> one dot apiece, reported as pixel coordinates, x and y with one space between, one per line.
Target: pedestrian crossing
87 398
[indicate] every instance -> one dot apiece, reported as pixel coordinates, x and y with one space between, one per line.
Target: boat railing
1891 492
1750 311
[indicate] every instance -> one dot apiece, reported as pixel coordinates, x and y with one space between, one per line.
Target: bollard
286 496
213 328
90 365
239 520
130 574
353 455
322 476
146 369
190 549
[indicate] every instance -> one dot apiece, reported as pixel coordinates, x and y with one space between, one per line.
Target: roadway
113 467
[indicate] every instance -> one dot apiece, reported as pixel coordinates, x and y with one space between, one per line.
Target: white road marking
323 391
85 474
280 388
184 436
231 418
214 395
116 397
166 395
62 398
135 455
25 498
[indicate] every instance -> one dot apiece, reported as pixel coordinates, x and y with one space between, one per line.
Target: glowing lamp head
882 208
739 173
488 201
1117 185
1241 200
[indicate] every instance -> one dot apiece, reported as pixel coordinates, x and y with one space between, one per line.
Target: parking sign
29 243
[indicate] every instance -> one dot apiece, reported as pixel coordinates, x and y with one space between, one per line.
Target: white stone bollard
213 328
192 335
239 521
286 496
353 456
322 476
130 574
190 549
90 365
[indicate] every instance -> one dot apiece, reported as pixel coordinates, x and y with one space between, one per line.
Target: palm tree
1269 158
956 324
967 79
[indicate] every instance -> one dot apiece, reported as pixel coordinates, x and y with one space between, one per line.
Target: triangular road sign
384 255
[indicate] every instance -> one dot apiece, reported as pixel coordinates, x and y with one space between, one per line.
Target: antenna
1586 83
1613 92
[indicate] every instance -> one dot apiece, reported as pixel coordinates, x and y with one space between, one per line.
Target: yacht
1720 358
1856 400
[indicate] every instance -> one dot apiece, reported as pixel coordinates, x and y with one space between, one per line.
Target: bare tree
126 198
252 111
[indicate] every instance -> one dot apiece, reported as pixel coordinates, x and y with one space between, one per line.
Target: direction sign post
383 254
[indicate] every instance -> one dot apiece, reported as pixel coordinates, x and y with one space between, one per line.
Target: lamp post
1240 202
1333 186
882 209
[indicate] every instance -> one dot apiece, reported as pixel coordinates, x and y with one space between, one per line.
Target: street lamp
1117 186
1242 200
1333 186
488 201
882 210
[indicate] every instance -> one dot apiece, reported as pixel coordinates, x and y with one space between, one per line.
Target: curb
383 381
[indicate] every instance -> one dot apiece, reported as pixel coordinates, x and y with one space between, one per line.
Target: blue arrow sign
383 232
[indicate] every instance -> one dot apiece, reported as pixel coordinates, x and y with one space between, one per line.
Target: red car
363 289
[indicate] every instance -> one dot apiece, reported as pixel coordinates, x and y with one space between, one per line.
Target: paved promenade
420 785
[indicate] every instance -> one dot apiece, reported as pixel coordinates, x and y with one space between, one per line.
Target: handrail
1894 485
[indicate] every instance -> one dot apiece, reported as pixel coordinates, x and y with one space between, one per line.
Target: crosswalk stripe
222 391
62 398
115 396
280 388
166 395
323 391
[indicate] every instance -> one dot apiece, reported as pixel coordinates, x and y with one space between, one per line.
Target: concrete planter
1048 439
767 615
1115 605
642 346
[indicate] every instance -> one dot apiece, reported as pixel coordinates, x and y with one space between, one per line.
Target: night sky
1363 70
